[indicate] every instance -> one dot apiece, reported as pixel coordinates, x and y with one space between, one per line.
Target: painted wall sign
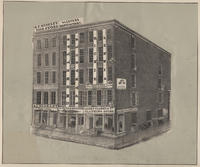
121 83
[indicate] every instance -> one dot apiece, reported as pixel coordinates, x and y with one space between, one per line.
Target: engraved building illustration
99 83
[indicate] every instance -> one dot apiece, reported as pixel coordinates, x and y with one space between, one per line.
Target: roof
101 23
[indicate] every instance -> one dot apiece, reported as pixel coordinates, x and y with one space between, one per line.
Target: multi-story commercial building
100 78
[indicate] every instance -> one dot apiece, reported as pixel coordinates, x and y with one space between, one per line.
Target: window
90 54
38 98
54 58
134 118
72 77
134 99
100 75
109 96
39 60
99 97
72 98
46 59
148 115
132 42
159 83
160 113
45 97
46 79
81 120
64 40
38 44
109 73
109 34
100 35
81 56
82 37
160 69
54 77
53 97
133 61
64 77
160 97
46 43
133 80
64 58
63 97
100 53
90 75
81 76
109 49
91 36
38 77
73 57
89 97
54 42
72 39
80 98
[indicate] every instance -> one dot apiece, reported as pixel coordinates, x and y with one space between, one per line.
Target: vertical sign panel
104 57
76 68
95 57
68 71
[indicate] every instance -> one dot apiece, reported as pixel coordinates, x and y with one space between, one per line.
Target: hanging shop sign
121 83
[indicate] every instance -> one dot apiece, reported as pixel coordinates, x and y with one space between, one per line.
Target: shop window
80 120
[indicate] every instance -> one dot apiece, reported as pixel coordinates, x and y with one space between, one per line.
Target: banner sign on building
58 24
121 83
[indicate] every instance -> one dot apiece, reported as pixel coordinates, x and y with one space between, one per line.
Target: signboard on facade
121 83
98 86
58 24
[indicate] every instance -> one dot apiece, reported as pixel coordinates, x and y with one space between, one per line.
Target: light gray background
172 26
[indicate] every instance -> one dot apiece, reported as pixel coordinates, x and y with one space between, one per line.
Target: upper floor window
54 58
160 69
133 61
63 97
73 57
109 50
133 118
109 96
134 99
81 59
109 34
81 76
46 77
80 98
72 98
90 75
98 97
39 46
90 36
82 37
46 59
109 73
45 97
64 58
64 77
53 97
54 77
100 53
54 42
39 60
133 80
160 97
89 97
72 77
132 42
46 43
90 54
159 83
64 40
100 75
38 77
38 98
100 35
73 39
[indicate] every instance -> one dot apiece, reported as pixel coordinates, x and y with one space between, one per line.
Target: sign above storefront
58 24
121 83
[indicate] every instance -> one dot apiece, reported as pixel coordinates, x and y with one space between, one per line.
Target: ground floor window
72 121
133 118
120 122
98 120
108 122
160 113
37 117
62 120
148 115
81 120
